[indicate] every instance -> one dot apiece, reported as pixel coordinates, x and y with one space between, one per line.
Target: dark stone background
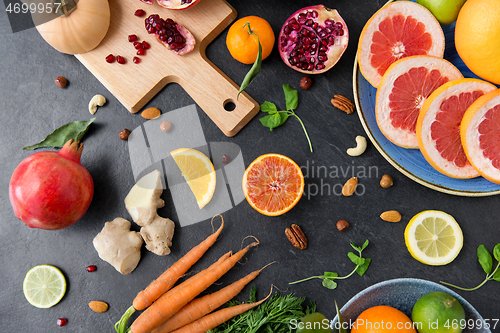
32 106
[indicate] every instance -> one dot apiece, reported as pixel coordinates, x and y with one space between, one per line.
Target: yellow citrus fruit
243 44
44 286
199 173
477 38
433 237
273 184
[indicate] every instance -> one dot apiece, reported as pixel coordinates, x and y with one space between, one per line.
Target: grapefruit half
397 30
402 92
273 184
480 134
438 126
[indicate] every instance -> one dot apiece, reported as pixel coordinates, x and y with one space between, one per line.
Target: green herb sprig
486 261
255 70
277 118
330 277
274 315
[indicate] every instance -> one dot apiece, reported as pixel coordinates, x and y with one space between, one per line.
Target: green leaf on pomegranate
74 130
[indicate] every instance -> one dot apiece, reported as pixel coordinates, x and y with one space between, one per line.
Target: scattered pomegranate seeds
132 38
61 322
225 159
139 12
136 60
91 268
110 58
145 45
121 60
141 52
138 45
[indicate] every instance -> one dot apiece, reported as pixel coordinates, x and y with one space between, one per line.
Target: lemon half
199 173
44 286
434 237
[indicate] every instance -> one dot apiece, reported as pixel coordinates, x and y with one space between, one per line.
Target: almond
151 113
391 216
350 187
98 306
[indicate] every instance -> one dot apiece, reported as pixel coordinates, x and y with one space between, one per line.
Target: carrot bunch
175 309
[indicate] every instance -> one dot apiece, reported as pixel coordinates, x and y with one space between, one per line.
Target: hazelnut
124 134
305 82
342 225
386 181
61 81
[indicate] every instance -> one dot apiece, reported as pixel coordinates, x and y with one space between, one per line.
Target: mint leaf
496 252
484 258
496 276
330 284
365 245
330 274
362 268
271 121
354 246
268 107
356 259
291 97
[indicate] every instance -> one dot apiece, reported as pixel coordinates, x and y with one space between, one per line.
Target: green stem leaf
305 131
255 70
121 326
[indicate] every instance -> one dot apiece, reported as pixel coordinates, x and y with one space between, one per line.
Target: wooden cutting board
134 85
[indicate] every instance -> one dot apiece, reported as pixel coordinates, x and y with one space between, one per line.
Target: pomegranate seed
139 12
141 52
225 159
132 38
121 60
136 60
145 45
110 58
61 322
138 45
91 268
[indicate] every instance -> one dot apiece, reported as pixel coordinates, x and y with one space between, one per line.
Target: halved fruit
399 29
199 173
438 126
480 134
44 286
273 184
433 237
402 92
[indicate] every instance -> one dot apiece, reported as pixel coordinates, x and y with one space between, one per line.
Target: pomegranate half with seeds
177 4
313 39
172 35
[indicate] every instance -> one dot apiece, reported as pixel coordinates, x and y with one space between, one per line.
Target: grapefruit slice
273 184
402 92
480 134
399 29
438 126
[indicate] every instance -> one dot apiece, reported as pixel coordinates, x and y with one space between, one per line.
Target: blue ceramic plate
411 162
402 295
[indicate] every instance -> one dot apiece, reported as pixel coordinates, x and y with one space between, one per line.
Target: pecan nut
343 103
296 236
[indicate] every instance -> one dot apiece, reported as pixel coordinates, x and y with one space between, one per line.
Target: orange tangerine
383 319
273 184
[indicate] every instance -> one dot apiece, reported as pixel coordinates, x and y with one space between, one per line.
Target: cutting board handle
216 94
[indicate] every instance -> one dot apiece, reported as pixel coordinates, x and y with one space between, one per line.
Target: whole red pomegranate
313 39
51 190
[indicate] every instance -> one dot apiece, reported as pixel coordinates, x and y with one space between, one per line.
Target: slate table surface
32 106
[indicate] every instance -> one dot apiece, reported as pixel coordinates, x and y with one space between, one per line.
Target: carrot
167 279
218 317
199 307
168 304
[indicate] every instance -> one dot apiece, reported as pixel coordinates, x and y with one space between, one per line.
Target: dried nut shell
350 187
342 225
151 113
343 103
98 306
386 181
391 216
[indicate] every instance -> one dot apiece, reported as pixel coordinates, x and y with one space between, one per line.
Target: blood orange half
402 92
273 184
480 134
399 29
438 126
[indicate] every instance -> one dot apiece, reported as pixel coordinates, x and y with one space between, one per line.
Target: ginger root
158 235
118 245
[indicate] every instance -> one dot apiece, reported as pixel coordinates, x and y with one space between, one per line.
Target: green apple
445 11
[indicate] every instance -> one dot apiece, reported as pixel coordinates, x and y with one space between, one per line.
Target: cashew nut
359 149
97 100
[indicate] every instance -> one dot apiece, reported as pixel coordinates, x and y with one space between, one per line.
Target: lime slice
433 237
44 286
